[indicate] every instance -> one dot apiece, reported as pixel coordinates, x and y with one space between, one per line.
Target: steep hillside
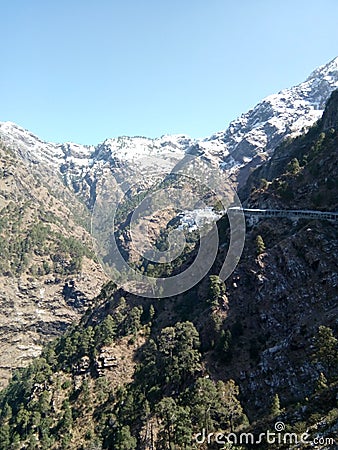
142 373
46 260
286 284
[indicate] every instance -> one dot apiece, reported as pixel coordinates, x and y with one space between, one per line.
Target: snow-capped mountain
138 150
258 132
245 143
135 159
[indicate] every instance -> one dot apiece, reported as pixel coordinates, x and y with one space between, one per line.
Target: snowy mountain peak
254 135
329 69
28 145
247 141
143 150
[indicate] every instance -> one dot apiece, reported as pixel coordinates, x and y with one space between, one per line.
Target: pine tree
178 357
216 289
233 410
293 166
326 349
321 382
151 312
275 406
260 245
67 420
124 439
106 331
166 411
4 437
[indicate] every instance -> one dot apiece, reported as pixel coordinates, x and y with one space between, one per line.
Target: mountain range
71 174
119 371
246 142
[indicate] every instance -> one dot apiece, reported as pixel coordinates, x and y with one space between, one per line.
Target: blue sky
82 71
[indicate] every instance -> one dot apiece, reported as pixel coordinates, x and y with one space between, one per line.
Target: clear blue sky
80 70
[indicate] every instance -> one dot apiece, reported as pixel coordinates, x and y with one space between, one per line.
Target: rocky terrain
140 373
48 274
47 183
128 372
291 287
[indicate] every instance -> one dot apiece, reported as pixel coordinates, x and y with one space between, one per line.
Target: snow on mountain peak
255 134
329 69
28 145
139 148
247 140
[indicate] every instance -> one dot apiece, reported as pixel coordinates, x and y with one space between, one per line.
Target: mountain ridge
245 143
82 168
240 356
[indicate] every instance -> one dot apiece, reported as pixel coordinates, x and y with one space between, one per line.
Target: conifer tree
275 406
260 245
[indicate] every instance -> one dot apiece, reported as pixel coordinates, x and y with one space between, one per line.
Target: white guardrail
288 213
